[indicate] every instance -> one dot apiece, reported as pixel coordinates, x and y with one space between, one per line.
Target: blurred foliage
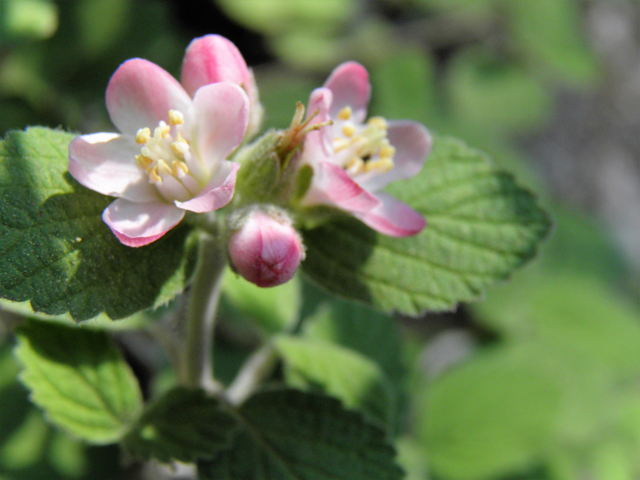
551 393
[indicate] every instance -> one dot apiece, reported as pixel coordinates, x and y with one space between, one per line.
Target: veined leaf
480 227
291 435
56 251
78 377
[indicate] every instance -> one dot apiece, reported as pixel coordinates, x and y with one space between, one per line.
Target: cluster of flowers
171 156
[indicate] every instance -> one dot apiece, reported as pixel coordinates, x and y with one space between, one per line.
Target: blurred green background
541 380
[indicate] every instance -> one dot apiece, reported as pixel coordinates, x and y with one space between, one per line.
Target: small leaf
56 251
274 309
480 227
342 373
291 435
182 425
78 377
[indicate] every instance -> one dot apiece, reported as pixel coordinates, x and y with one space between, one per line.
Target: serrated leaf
342 373
79 378
56 251
291 435
480 227
273 309
183 425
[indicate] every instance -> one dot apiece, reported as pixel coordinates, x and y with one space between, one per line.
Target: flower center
165 156
362 148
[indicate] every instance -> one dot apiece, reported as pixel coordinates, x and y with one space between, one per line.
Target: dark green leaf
56 251
182 425
290 435
480 227
78 377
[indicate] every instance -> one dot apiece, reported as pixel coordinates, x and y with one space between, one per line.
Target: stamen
175 118
161 131
180 146
355 166
379 122
153 175
382 165
144 162
162 167
180 169
339 144
345 113
348 130
143 135
388 151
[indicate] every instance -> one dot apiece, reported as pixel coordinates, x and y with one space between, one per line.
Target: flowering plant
363 207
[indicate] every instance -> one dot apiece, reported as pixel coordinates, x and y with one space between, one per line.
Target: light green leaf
56 251
182 425
291 435
273 309
490 416
342 373
480 227
27 19
78 377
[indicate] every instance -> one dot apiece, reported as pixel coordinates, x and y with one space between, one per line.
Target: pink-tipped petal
318 144
138 224
217 193
218 119
140 94
412 142
213 59
393 217
331 185
350 86
105 162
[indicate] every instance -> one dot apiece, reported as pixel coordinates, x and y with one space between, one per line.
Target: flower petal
217 193
217 121
105 162
332 186
393 217
213 59
140 94
349 83
318 144
138 224
412 142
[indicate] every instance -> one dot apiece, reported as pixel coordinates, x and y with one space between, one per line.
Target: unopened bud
265 248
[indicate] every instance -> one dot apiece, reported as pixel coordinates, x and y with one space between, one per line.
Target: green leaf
480 227
490 416
28 20
78 377
182 425
273 309
56 251
342 373
291 435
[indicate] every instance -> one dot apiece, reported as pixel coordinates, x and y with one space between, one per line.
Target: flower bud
264 247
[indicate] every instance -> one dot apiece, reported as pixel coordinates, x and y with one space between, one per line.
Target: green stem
258 368
196 366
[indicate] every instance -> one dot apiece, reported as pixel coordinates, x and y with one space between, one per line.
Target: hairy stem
196 366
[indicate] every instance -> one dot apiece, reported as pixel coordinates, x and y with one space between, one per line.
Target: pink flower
265 248
170 155
353 160
213 59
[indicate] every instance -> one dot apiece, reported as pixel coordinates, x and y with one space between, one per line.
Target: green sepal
183 425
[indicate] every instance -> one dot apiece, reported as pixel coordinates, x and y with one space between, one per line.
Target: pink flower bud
265 248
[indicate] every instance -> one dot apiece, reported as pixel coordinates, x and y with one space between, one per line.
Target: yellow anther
143 135
339 144
388 151
348 130
161 131
355 166
345 113
175 117
382 165
379 122
180 169
162 167
153 175
180 147
143 162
